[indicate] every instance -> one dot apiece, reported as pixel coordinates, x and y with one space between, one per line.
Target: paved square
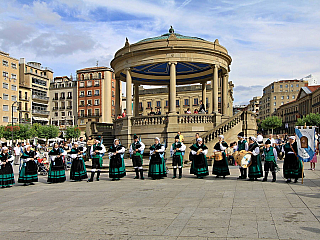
189 208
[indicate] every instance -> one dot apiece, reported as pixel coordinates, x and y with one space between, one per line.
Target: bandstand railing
196 118
223 127
149 120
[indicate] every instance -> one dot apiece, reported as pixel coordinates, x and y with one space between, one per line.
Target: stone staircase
104 130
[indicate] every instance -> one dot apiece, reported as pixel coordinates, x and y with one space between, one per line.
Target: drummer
242 145
255 168
220 166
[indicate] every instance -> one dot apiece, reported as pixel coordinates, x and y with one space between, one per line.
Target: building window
149 105
81 103
281 103
81 84
39 81
56 114
112 102
96 83
96 102
99 75
97 112
89 112
69 95
186 102
297 85
13 65
195 101
275 98
5 74
89 84
5 108
5 119
69 114
89 102
286 85
288 97
167 103
282 97
63 114
14 87
15 120
89 93
158 104
5 63
13 98
178 103
293 96
82 113
112 84
5 85
14 76
96 92
140 105
275 104
112 93
291 85
5 96
280 86
82 94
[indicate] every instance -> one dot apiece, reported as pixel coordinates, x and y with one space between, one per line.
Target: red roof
313 88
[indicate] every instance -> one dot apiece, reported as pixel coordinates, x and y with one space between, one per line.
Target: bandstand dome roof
149 59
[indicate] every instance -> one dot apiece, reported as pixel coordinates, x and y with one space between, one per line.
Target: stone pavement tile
198 238
204 232
315 212
298 230
266 229
152 238
243 228
173 230
292 215
208 223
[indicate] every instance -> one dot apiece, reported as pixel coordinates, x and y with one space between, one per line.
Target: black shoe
98 176
25 184
180 173
264 180
217 176
273 180
141 174
296 180
288 181
240 177
250 179
174 173
31 183
137 173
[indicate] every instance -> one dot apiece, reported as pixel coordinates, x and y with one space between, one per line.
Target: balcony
40 97
69 107
55 108
89 95
41 112
89 105
96 104
24 98
97 85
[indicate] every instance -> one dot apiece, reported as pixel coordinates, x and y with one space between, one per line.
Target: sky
268 40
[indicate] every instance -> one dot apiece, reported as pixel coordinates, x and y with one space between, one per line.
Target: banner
305 142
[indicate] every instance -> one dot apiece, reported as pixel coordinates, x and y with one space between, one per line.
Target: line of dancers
28 172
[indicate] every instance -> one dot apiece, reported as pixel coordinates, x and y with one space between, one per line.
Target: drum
218 156
243 158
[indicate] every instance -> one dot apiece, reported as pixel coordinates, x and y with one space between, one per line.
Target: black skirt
199 161
115 161
58 164
31 168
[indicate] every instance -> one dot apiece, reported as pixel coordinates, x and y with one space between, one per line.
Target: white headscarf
253 139
157 139
221 136
199 140
292 137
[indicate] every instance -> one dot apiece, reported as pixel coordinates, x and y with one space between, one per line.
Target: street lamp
12 120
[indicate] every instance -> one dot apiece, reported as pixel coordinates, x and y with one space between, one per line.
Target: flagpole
302 172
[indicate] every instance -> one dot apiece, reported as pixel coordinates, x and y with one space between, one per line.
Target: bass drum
243 158
218 156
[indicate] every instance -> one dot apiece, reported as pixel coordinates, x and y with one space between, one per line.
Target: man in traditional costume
292 166
78 169
29 170
56 172
157 165
242 145
270 154
136 153
255 168
220 167
199 166
6 170
97 151
177 150
117 167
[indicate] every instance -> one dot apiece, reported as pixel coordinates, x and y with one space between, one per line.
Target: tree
73 132
271 123
7 133
47 131
311 119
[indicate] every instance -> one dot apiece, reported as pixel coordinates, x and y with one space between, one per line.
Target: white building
311 80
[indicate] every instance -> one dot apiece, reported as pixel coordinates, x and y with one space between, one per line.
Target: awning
40 119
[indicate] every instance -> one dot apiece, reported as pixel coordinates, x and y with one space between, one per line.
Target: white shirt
140 148
17 151
182 149
205 152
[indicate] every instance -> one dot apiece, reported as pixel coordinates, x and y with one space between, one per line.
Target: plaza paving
189 208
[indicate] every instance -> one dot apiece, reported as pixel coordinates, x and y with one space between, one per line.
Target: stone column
224 96
204 94
108 107
136 100
128 92
172 92
214 86
117 96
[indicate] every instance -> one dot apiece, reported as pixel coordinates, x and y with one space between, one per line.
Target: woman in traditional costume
157 165
56 172
199 166
29 170
6 170
220 167
292 165
117 168
255 168
78 169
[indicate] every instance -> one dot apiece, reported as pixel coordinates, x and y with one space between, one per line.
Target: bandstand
169 60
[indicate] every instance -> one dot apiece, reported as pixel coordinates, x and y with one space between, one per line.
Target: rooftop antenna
97 63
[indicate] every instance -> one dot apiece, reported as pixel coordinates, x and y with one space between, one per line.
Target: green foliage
271 123
47 131
72 132
312 119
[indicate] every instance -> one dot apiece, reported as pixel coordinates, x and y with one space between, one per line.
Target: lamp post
12 120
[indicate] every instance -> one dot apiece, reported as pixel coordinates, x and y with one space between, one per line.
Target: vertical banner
306 142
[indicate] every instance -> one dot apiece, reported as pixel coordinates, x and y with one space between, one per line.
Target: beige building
36 78
63 102
9 67
254 105
277 94
308 101
188 97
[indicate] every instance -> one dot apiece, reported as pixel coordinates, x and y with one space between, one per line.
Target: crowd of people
30 157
